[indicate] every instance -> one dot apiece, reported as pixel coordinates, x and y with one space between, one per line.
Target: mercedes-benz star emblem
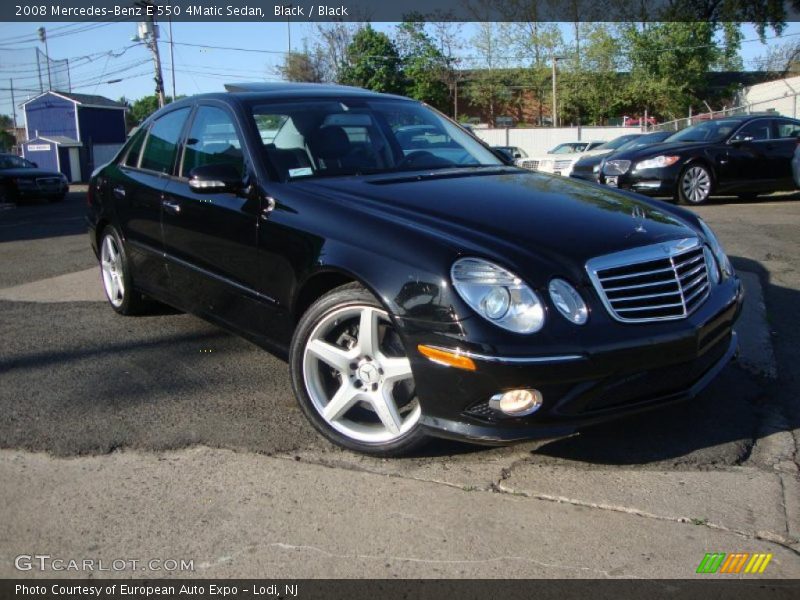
639 214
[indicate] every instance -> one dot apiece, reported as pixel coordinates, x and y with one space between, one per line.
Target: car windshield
568 148
644 140
14 162
708 131
324 138
617 142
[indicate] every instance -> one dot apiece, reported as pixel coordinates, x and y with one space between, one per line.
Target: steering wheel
421 159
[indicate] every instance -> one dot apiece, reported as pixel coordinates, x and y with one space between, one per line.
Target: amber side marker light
450 359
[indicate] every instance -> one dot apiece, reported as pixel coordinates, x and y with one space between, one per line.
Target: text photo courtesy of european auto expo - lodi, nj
357 300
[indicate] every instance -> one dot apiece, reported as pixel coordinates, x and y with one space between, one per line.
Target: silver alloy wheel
111 269
696 185
353 383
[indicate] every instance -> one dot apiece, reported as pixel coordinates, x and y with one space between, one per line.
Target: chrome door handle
119 191
172 206
267 210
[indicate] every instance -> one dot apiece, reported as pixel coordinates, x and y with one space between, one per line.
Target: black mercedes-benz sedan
21 180
589 167
741 155
418 285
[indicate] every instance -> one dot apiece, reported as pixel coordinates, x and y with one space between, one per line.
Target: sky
103 52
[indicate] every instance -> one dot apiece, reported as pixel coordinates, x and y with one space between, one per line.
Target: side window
755 131
161 144
212 140
135 149
787 129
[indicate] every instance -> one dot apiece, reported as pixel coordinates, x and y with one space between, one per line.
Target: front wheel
694 185
352 377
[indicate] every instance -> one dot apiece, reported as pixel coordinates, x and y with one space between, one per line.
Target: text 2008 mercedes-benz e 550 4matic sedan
418 283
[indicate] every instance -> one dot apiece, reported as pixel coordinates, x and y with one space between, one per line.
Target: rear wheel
694 184
352 377
116 276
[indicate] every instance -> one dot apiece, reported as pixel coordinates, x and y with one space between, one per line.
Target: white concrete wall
539 140
779 95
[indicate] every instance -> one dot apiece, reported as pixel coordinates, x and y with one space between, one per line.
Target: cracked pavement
126 437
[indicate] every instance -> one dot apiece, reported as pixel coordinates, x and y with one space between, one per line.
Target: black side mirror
209 179
517 155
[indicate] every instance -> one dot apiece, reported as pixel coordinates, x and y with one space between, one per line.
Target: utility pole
43 39
13 105
148 33
172 60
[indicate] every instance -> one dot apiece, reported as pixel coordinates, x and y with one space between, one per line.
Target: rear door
781 153
137 186
210 239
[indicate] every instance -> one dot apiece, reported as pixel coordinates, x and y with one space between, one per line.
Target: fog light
517 403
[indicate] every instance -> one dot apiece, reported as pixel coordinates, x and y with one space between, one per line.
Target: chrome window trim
665 250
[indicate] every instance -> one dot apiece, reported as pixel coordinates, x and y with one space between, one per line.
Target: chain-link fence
786 105
32 71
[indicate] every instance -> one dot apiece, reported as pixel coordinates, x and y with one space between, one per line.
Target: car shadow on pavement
718 427
38 219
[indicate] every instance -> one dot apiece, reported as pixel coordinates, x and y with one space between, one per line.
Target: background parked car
743 155
21 179
588 166
559 160
637 121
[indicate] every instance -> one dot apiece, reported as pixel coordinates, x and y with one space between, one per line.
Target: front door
210 238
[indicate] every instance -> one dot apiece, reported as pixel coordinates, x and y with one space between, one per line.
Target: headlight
497 295
63 178
723 261
596 168
568 301
659 162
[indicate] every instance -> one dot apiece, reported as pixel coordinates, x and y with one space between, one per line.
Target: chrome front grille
562 165
48 182
529 164
653 283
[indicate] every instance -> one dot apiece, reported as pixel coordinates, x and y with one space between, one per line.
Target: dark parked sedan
415 292
742 155
21 179
588 167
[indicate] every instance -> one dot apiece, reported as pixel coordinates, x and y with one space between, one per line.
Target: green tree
302 66
140 109
487 89
373 63
424 65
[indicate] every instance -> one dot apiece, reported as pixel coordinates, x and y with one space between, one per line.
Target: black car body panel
589 168
222 257
737 166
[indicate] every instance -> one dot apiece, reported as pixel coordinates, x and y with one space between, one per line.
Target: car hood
28 173
511 211
661 148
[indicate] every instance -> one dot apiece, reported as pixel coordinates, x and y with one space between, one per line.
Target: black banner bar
759 11
711 588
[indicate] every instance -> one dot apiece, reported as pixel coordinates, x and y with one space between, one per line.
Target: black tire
695 184
129 301
353 298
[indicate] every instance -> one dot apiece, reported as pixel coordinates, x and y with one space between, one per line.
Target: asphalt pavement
136 413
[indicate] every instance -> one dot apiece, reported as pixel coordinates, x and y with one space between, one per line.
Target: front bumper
650 182
649 366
